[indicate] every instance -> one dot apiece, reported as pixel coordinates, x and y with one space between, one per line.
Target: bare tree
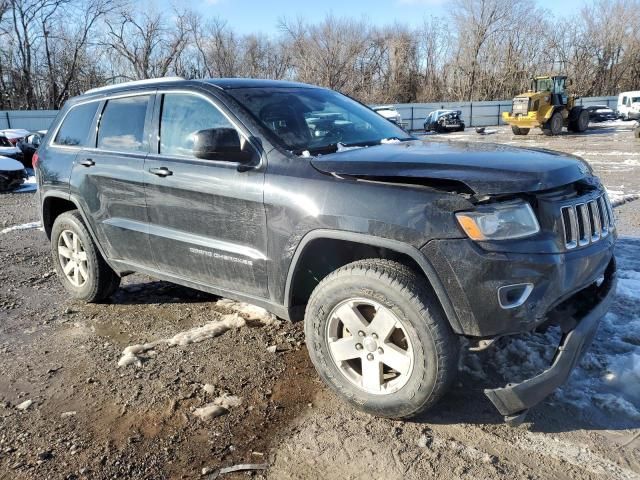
146 44
482 49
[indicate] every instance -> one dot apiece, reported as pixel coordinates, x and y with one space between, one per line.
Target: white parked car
629 105
389 112
12 174
9 150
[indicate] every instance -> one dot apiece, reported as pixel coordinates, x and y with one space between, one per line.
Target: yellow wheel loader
548 106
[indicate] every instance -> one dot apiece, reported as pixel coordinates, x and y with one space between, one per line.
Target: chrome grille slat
604 216
586 222
594 217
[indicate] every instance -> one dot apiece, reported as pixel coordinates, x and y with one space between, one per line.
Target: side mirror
221 144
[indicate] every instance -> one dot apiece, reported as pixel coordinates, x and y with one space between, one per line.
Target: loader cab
556 86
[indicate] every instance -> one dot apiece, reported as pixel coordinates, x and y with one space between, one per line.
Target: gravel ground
68 411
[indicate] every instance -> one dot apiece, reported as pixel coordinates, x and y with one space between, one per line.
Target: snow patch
606 383
24 405
24 226
29 185
242 313
209 330
219 406
618 197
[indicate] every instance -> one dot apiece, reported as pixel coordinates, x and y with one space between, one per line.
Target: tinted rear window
122 124
75 126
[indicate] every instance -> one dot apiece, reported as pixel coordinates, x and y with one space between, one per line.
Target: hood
10 165
486 169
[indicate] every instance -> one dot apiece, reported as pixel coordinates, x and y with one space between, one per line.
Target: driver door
207 222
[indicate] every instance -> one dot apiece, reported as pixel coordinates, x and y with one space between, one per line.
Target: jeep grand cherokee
305 202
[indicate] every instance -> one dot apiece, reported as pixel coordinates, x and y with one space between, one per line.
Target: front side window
75 126
316 120
122 124
182 116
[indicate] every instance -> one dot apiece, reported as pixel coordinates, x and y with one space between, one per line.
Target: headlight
499 222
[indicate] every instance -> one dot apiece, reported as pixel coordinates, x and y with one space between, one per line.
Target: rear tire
78 263
461 127
578 120
390 301
519 131
554 125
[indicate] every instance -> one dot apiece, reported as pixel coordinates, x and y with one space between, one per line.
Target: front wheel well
322 256
52 208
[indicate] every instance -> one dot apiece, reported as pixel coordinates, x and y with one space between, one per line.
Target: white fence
475 114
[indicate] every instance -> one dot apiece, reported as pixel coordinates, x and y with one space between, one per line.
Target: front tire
78 263
519 131
554 125
378 338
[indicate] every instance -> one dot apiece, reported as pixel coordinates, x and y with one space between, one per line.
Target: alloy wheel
73 258
370 346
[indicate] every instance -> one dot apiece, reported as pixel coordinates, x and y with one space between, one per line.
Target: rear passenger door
107 177
207 222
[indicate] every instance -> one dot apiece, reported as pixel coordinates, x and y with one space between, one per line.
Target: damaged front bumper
514 400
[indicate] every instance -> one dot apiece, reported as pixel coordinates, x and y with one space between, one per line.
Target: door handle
161 172
87 163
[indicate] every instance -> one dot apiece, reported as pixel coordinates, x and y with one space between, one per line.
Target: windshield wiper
334 147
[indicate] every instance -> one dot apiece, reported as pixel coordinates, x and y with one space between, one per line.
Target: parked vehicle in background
12 174
601 113
389 112
29 144
14 134
628 107
7 149
443 121
300 200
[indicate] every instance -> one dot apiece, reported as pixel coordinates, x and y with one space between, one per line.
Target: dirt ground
90 418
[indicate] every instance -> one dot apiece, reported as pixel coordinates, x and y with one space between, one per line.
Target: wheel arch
55 204
366 246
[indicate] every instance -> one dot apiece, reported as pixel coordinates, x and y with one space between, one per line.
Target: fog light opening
512 296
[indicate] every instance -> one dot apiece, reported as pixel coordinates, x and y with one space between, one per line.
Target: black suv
307 203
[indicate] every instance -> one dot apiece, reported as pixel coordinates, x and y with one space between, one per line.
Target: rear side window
182 116
75 126
122 124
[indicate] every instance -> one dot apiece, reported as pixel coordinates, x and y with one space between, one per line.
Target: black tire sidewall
70 221
424 376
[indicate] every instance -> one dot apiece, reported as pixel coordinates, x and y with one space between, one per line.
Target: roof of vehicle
222 83
231 83
384 107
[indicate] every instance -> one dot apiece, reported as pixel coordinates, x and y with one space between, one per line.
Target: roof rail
148 81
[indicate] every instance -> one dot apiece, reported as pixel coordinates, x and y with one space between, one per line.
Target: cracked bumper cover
514 399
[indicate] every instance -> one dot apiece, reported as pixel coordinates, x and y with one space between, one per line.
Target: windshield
542 85
315 120
4 142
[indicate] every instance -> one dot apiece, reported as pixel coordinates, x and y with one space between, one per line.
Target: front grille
520 106
587 222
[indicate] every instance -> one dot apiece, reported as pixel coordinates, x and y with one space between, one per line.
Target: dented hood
487 169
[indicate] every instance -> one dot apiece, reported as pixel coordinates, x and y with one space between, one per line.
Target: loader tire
519 131
554 125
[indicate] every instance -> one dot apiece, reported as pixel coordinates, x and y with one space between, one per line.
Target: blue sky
262 15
